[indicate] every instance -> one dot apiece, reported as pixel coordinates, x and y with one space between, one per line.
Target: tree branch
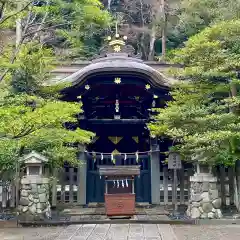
42 22
15 53
16 13
44 29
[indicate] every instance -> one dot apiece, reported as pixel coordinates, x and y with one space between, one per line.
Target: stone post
155 172
204 199
82 171
34 190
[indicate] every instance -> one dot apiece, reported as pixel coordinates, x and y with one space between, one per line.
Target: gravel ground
207 232
49 233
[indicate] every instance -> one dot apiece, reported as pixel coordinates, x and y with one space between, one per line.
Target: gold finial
116 28
116 42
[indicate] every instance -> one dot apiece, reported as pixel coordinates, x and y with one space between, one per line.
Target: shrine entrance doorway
122 140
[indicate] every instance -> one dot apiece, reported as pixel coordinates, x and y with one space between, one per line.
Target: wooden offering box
119 189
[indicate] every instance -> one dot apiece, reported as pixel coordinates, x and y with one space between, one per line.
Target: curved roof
119 63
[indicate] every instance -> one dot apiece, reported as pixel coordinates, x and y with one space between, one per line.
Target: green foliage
212 53
31 68
29 122
194 16
31 115
62 25
203 118
86 22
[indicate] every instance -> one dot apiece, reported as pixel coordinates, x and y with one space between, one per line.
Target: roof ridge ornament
116 42
117 46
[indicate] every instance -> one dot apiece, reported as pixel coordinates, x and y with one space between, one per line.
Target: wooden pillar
155 172
82 179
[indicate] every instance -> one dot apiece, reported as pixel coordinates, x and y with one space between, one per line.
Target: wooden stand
119 189
120 204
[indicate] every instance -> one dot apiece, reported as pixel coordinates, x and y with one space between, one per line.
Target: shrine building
118 92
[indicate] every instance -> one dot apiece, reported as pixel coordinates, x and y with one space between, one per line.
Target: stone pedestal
34 199
204 199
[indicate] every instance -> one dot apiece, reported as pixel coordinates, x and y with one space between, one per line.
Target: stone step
101 211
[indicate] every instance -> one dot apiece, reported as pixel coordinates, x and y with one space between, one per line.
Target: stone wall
34 199
204 200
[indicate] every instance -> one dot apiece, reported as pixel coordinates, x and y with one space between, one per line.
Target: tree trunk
233 90
164 39
233 93
143 47
18 27
152 43
164 28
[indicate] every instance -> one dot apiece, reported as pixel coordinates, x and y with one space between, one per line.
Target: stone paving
207 232
92 232
50 233
124 232
118 232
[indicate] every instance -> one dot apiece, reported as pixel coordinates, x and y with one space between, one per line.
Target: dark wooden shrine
119 189
117 92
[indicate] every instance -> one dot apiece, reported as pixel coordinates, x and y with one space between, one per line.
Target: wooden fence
7 195
229 185
65 187
183 186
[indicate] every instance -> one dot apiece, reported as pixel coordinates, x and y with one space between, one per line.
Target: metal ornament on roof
87 87
117 80
147 86
117 48
117 45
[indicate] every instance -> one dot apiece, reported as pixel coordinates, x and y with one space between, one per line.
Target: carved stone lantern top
34 158
34 163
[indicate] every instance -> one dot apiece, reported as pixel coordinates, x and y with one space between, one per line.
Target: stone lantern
34 163
34 192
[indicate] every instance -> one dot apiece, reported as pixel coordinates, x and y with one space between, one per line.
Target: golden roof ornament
117 42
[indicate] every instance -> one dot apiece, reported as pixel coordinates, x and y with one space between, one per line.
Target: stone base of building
34 199
204 200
